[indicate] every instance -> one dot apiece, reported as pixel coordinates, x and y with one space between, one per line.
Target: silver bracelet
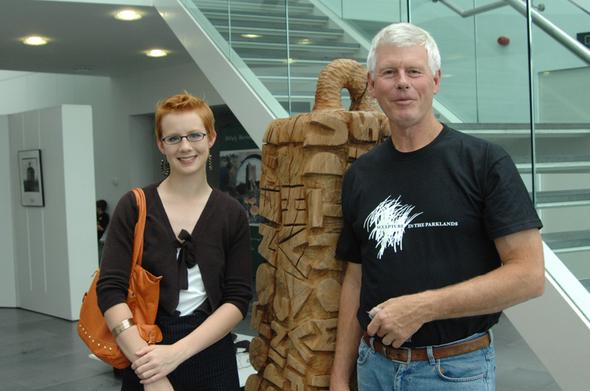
124 325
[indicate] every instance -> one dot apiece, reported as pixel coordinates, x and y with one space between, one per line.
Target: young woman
197 239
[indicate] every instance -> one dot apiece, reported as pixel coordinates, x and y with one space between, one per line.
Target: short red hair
185 102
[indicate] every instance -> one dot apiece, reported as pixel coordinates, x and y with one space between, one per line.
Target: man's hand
397 319
155 362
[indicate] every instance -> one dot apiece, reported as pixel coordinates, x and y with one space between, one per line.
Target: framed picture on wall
239 176
31 177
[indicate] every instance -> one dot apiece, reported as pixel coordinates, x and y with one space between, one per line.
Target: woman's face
185 157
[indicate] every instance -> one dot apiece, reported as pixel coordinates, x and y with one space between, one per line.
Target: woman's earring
210 162
164 167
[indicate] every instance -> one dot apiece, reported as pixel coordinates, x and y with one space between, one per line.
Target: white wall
23 91
139 93
144 158
55 246
80 206
7 277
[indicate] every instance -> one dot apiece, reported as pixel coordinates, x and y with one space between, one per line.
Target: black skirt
213 369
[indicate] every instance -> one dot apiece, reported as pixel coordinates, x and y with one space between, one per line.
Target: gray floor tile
524 379
40 352
101 382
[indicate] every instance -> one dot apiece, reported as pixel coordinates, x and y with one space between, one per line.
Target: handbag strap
139 227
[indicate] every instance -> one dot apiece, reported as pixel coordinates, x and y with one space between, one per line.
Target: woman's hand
155 362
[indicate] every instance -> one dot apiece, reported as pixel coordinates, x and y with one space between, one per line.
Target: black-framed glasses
191 137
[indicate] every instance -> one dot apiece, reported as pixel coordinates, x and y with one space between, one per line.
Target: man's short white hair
403 35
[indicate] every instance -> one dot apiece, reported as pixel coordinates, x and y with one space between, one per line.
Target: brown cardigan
219 243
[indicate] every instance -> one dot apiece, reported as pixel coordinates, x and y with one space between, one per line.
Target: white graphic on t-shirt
388 222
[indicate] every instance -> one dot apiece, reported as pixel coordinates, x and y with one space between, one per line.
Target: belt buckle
409 353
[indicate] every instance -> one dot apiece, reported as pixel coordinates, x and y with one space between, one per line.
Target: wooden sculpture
303 160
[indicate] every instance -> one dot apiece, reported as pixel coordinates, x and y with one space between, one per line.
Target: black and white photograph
240 178
31 177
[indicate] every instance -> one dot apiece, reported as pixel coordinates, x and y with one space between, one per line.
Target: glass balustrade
562 85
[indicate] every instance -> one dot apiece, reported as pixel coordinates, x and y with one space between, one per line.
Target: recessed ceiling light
128 14
35 40
305 41
156 53
251 36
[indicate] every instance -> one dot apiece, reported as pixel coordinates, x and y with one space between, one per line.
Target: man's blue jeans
472 371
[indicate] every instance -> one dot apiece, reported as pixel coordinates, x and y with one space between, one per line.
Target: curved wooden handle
339 74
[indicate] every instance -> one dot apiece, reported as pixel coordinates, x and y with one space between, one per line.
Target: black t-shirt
428 219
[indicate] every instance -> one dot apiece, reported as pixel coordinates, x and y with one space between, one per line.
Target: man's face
403 85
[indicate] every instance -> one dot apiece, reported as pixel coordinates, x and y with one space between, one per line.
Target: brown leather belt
420 354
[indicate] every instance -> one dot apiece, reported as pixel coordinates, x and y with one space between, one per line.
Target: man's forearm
349 331
521 277
492 292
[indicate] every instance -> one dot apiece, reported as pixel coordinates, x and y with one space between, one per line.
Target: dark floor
39 352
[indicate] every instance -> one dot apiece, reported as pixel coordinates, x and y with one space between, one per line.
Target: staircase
287 64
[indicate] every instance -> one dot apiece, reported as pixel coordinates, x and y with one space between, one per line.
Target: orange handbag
142 298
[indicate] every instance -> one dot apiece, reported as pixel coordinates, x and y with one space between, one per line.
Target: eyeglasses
191 137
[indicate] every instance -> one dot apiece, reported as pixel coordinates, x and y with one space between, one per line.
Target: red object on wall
503 41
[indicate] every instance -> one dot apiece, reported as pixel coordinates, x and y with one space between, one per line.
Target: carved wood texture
303 160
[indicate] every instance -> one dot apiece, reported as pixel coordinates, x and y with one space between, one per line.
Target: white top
191 298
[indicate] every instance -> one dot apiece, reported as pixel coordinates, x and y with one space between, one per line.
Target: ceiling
85 39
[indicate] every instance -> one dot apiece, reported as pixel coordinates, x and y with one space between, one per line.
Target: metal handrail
543 23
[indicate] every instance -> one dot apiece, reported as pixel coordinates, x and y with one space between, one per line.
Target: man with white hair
439 237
